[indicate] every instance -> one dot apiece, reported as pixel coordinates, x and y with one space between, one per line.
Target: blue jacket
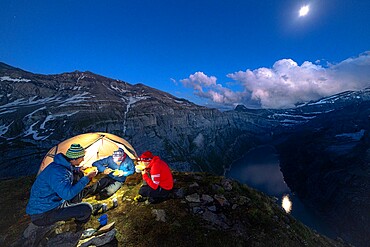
127 166
54 185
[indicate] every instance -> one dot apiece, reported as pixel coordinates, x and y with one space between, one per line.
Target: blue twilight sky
220 53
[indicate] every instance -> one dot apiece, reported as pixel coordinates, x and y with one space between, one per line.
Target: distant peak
241 108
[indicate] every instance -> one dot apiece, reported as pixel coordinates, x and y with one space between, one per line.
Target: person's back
43 197
157 178
51 186
53 192
161 169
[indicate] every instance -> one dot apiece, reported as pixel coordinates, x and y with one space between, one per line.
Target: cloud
286 83
199 80
174 81
206 87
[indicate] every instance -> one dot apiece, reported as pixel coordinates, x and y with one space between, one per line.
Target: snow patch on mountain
80 77
34 133
130 101
355 136
78 98
293 116
27 102
118 89
8 78
6 111
55 116
30 114
4 128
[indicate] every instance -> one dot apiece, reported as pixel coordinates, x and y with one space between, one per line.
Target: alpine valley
323 146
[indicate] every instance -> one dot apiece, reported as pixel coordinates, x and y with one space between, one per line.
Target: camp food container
117 173
103 220
140 167
90 169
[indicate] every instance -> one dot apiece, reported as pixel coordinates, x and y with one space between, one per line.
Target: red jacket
160 174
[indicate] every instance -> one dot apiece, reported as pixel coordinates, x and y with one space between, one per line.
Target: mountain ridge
53 108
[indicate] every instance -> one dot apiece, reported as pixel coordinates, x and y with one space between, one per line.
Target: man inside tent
117 167
157 179
53 191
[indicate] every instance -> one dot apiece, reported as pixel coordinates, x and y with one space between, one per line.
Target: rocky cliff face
38 111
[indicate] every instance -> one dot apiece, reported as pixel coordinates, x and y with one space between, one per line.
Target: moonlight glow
286 204
304 10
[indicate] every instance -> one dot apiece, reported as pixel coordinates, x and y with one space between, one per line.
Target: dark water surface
260 169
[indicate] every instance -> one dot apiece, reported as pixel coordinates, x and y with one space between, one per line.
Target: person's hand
143 172
107 171
138 170
82 168
92 174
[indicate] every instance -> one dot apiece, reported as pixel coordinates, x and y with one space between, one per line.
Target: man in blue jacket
53 191
117 167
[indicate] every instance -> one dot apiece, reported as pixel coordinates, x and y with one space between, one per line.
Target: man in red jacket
157 178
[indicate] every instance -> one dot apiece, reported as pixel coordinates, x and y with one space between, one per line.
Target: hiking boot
156 200
140 198
33 234
88 233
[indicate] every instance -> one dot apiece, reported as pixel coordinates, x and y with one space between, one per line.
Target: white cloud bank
286 83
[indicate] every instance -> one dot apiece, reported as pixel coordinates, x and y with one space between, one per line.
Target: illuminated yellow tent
97 146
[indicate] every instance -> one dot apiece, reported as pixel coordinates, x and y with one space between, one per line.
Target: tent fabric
97 146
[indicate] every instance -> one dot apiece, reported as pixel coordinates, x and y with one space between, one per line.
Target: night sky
260 53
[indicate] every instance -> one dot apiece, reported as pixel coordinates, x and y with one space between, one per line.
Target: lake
260 169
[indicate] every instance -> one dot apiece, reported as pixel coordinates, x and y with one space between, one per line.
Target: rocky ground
204 210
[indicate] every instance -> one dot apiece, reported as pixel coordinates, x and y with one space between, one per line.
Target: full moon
304 10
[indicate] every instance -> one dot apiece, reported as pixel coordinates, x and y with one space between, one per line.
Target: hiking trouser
81 212
89 190
147 191
107 186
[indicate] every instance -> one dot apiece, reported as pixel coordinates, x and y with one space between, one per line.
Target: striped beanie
118 153
75 151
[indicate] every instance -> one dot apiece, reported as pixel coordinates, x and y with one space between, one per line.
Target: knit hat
147 155
75 151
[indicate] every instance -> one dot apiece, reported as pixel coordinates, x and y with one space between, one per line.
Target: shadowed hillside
205 210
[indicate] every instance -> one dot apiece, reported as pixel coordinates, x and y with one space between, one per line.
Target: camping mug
115 202
104 207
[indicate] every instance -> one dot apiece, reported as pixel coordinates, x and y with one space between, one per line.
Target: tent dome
97 145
